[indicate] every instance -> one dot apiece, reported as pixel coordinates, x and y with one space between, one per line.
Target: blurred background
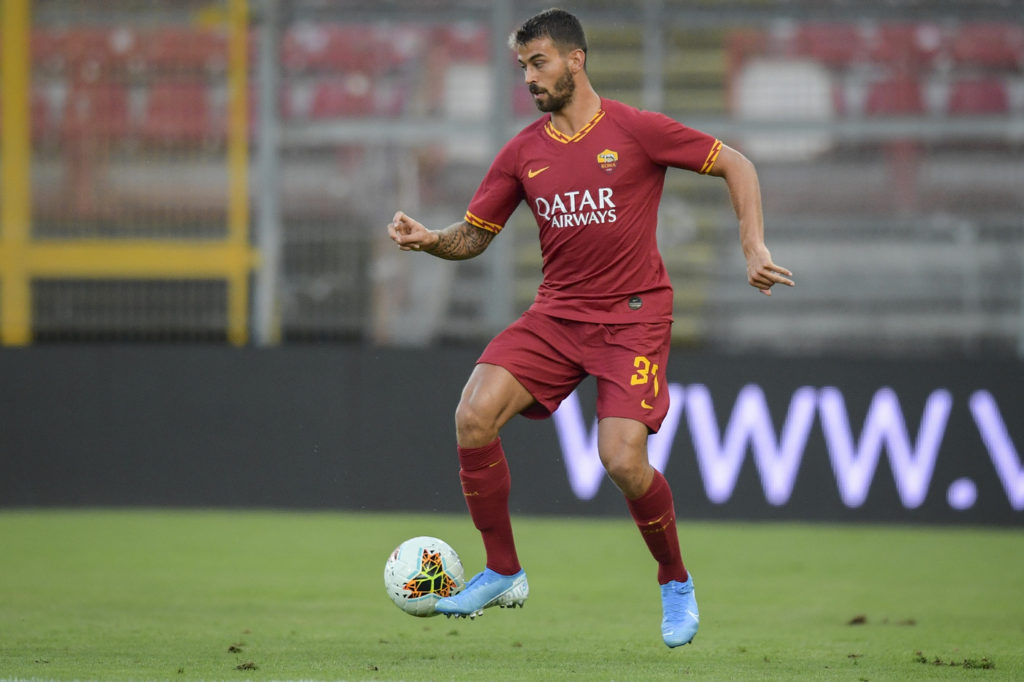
222 171
199 304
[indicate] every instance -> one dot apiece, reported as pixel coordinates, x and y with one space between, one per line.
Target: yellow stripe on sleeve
709 162
476 221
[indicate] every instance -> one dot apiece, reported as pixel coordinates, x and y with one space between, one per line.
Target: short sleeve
499 193
670 143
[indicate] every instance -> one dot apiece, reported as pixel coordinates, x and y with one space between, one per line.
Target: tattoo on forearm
461 241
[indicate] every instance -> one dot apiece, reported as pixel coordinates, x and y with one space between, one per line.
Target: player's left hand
763 274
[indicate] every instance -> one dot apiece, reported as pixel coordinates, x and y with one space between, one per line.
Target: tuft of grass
260 595
983 663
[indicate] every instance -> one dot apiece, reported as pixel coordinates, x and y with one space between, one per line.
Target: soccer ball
420 571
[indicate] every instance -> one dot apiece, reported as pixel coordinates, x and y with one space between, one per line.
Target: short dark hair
563 28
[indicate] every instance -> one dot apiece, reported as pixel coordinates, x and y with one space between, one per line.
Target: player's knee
624 456
630 476
474 427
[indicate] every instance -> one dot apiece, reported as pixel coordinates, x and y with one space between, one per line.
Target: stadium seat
97 111
742 44
979 97
179 113
341 97
337 48
47 49
467 42
897 96
831 44
990 45
90 51
914 45
183 48
87 53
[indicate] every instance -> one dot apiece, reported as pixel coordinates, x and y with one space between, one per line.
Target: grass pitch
214 595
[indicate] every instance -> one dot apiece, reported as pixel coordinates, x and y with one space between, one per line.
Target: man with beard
592 172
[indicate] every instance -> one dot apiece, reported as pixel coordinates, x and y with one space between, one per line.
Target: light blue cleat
484 590
681 617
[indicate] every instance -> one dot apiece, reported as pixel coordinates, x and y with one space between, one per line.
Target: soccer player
592 172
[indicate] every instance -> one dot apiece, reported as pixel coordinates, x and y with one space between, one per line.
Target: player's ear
577 60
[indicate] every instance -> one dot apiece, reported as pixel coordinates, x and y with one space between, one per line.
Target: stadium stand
985 96
998 46
129 119
185 49
180 113
896 96
97 111
348 96
873 250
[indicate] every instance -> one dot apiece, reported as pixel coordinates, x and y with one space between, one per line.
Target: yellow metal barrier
22 258
15 219
238 169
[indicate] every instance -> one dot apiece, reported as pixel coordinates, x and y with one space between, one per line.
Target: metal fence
223 171
128 121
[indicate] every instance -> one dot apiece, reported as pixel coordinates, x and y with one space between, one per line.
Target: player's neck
578 113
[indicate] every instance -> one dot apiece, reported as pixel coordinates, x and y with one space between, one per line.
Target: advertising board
364 428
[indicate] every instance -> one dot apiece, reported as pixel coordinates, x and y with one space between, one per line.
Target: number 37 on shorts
646 372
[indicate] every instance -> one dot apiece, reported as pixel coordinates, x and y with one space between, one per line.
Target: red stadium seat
906 44
832 44
898 96
992 45
979 97
341 97
179 113
467 42
89 52
336 48
745 43
47 48
97 111
183 48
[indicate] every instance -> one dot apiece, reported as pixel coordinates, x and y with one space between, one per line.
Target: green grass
188 595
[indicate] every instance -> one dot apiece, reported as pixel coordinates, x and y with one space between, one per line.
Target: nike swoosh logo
535 173
643 404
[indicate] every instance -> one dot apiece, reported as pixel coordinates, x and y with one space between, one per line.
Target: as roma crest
608 160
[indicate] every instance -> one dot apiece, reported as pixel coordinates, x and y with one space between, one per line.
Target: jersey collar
549 128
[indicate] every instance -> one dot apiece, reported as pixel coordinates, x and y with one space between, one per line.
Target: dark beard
565 88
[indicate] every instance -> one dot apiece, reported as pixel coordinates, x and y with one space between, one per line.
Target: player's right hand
409 234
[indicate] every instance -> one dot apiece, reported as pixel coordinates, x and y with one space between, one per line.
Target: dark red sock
655 516
486 483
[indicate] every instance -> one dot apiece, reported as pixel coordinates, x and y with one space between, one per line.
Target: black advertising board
358 427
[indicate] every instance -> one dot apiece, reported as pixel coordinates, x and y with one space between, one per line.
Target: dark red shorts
551 356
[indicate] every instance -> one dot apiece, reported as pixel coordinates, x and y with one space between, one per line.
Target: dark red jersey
595 198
